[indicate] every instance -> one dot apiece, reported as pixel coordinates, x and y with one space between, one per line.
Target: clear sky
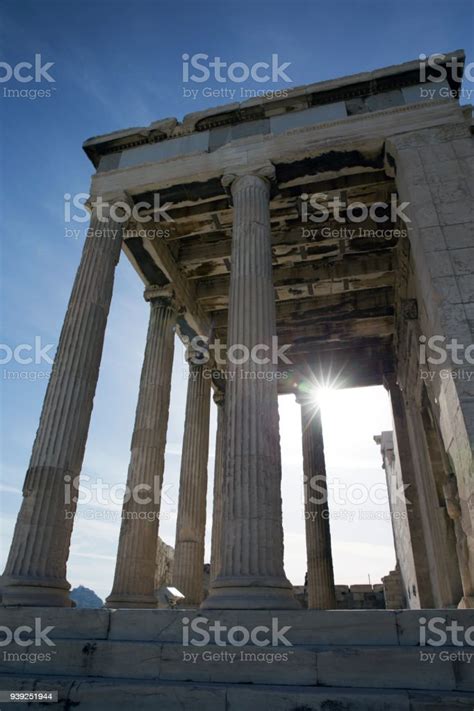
119 64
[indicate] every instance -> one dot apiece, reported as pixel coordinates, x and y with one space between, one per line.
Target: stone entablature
300 106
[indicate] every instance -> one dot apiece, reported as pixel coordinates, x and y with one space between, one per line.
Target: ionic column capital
109 199
196 358
303 397
163 296
263 177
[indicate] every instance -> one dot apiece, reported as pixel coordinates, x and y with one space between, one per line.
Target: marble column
134 582
35 573
218 496
439 534
414 519
251 574
188 564
321 593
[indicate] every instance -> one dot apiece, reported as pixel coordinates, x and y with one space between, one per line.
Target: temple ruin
254 241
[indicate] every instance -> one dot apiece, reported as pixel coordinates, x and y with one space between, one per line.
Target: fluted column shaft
321 592
136 556
188 564
218 494
251 571
414 504
35 573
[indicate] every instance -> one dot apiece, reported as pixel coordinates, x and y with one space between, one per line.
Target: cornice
311 95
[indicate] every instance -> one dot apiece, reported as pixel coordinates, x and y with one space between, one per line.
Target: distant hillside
84 597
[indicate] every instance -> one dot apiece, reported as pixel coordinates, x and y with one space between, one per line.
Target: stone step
106 695
321 627
377 667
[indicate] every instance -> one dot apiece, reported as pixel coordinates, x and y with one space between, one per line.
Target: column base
251 598
131 602
34 593
187 606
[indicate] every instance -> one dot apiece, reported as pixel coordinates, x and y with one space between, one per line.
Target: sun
318 395
322 394
319 389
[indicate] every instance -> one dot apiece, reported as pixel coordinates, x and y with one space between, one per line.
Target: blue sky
118 64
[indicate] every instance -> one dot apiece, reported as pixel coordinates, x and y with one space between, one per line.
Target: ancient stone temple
336 221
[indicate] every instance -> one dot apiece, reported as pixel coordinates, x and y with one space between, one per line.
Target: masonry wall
434 170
